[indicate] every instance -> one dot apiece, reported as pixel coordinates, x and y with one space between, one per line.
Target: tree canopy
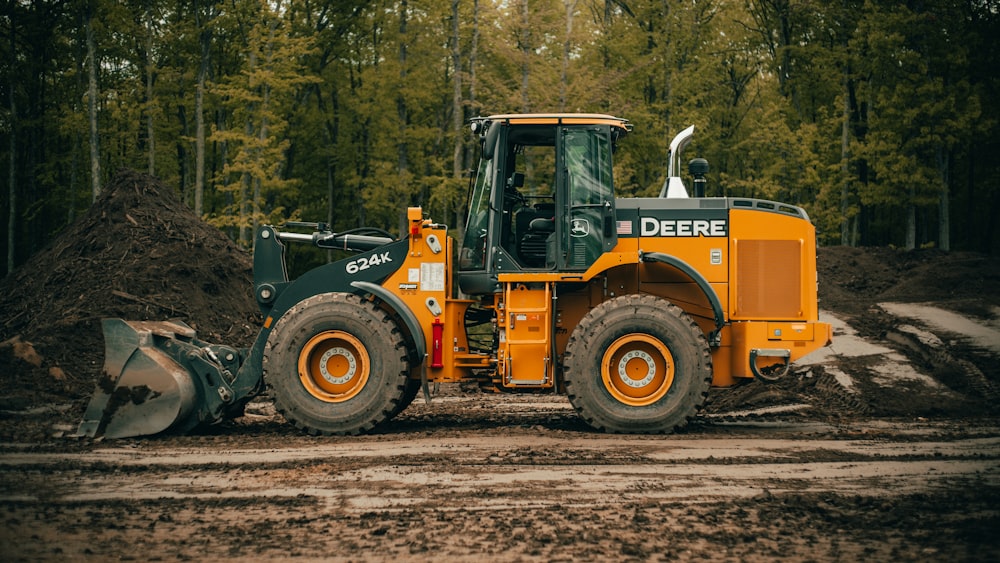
878 118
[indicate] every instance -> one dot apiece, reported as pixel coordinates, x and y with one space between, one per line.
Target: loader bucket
142 390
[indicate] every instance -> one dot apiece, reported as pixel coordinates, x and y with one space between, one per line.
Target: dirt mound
140 254
852 280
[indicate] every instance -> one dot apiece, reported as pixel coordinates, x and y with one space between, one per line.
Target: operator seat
534 243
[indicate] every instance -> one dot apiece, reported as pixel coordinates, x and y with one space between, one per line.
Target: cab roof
559 119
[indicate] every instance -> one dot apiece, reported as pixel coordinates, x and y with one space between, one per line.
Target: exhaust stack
674 186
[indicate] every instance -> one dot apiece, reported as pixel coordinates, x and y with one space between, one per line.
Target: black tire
336 365
647 337
410 392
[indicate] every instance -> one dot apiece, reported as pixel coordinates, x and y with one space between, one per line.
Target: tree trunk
845 164
457 116
74 176
911 222
668 75
12 175
473 109
255 210
205 38
199 138
333 135
244 199
525 33
570 6
473 51
247 180
181 144
149 92
223 158
95 155
258 194
245 189
944 219
458 112
401 108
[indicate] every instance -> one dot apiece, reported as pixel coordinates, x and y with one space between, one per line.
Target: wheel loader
632 307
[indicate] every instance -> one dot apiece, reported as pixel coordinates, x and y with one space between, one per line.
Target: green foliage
863 112
257 100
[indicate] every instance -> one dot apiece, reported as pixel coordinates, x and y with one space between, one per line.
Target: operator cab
543 197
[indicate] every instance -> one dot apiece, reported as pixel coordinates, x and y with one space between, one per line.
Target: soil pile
139 254
852 280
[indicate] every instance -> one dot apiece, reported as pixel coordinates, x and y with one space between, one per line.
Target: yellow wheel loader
632 307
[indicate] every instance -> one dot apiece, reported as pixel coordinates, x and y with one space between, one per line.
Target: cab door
586 199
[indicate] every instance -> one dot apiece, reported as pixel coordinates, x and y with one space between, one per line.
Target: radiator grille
768 279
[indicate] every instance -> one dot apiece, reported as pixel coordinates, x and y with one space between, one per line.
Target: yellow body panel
772 294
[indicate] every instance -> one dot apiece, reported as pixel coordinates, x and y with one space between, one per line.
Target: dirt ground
884 446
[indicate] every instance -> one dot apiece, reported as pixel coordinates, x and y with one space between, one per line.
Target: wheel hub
642 366
637 369
338 360
334 366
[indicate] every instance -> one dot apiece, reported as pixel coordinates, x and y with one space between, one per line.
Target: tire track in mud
545 471
530 490
959 374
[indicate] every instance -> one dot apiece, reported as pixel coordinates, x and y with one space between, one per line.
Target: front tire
336 365
637 364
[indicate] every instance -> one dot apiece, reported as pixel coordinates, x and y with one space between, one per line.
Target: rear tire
336 365
637 364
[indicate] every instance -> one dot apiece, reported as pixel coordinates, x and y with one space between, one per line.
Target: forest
879 118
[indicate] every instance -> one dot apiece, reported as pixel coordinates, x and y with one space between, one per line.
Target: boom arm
351 240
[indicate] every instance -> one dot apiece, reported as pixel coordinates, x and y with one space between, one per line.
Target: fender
404 312
706 288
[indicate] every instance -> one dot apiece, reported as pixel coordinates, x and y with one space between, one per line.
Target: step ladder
527 336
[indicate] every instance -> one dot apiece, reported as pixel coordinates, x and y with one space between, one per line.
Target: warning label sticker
432 276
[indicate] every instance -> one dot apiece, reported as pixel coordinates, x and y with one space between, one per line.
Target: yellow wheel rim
334 366
637 369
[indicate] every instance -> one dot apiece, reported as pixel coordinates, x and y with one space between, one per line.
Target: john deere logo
580 228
